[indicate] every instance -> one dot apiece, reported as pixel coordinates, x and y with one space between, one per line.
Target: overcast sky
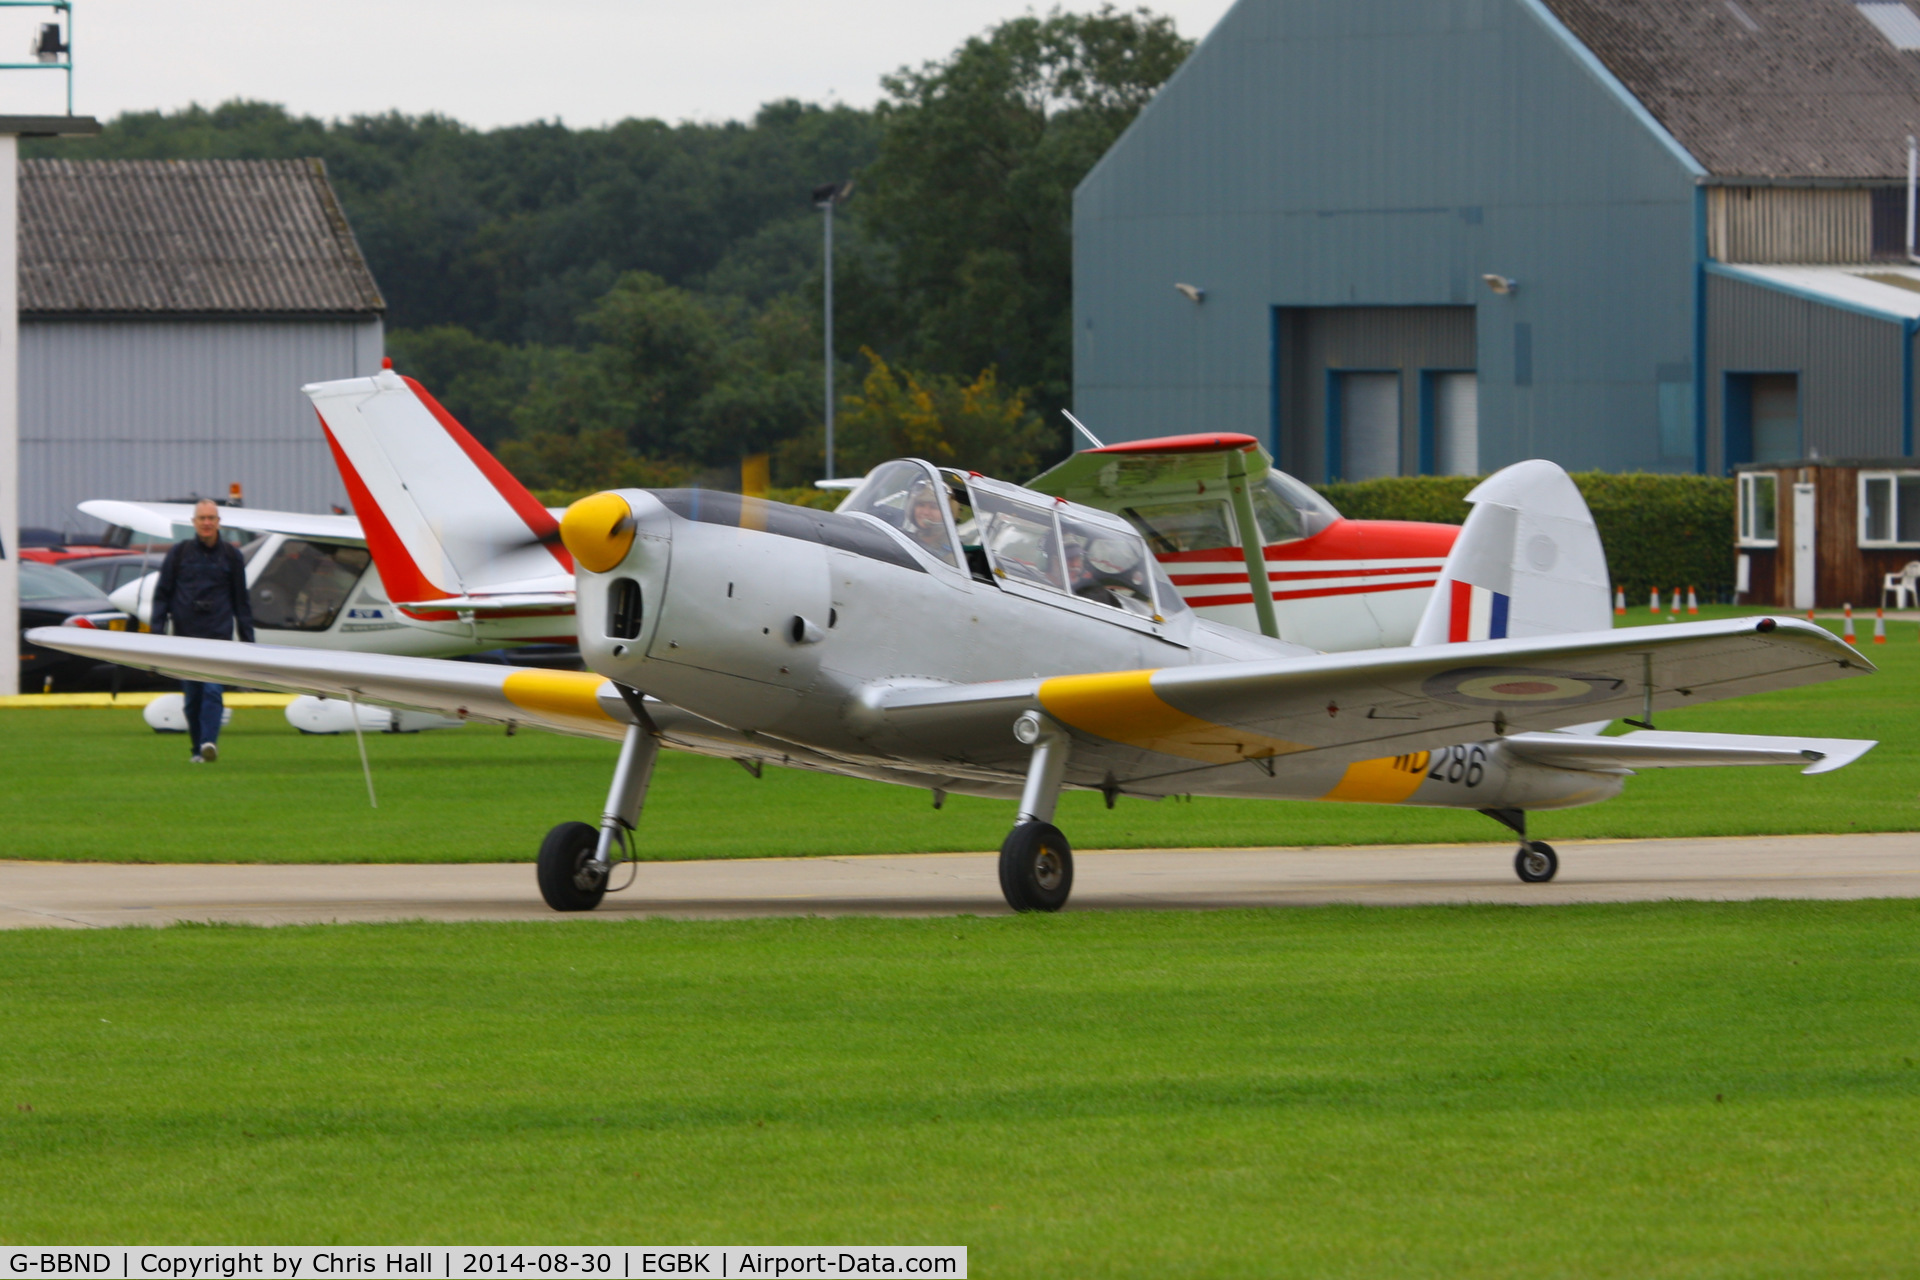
489 62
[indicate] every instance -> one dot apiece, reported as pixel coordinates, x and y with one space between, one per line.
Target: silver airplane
948 631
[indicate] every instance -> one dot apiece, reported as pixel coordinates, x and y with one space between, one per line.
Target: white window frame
1860 497
1748 481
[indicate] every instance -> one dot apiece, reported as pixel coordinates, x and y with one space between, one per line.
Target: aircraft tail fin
1528 563
442 517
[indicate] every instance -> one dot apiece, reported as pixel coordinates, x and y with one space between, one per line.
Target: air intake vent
1896 22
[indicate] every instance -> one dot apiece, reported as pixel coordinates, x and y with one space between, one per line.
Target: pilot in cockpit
924 522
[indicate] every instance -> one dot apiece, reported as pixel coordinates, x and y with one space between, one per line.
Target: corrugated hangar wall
1848 365
1388 153
156 409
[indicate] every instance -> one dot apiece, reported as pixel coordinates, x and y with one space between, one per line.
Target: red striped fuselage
1356 584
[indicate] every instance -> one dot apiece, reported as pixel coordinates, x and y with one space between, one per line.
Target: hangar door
1361 392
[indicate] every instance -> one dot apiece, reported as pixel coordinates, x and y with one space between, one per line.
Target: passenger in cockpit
1107 570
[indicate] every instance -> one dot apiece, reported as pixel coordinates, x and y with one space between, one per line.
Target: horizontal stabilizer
175 520
506 602
1660 749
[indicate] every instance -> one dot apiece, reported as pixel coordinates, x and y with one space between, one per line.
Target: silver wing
1327 710
1347 707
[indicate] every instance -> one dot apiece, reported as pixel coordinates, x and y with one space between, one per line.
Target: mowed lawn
1675 1089
98 785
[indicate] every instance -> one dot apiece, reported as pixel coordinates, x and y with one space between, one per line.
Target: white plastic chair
1902 585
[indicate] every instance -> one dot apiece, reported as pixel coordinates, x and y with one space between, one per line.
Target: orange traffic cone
1846 632
1619 602
1879 626
1673 606
1653 603
1693 604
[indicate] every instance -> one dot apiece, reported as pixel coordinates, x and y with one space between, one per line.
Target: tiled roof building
201 237
170 311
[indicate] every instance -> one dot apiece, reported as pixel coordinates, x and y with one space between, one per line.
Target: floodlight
48 46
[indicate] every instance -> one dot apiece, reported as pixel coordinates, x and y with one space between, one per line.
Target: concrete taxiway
97 895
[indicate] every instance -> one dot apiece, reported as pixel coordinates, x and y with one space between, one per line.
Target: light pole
824 198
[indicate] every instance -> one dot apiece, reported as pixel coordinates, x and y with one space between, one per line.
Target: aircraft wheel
567 879
1536 862
1036 867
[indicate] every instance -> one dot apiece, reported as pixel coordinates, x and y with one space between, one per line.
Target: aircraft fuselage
786 639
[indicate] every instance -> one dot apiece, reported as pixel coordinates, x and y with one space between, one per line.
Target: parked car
109 573
49 595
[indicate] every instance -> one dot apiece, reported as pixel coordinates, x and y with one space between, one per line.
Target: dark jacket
204 591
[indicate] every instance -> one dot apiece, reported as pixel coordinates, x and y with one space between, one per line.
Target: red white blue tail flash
1475 613
1528 563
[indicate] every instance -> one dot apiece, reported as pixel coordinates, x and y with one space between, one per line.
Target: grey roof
201 237
1782 89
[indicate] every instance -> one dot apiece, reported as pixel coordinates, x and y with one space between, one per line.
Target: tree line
641 303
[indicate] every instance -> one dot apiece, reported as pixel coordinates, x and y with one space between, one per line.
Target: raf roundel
1505 686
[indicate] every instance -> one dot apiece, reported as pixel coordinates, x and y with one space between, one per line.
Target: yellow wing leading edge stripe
1121 706
571 695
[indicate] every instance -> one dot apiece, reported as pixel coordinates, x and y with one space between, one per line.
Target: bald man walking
203 591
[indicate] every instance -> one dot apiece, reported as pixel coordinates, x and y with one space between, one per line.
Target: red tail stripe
1459 611
537 517
400 575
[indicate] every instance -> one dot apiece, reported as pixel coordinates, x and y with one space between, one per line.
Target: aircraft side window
1022 540
1309 512
1278 521
1107 567
305 585
967 528
1174 527
906 496
1169 595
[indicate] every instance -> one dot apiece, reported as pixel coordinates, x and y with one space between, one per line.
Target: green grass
98 785
1676 1089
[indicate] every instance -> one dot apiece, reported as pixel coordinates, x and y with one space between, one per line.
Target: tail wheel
1036 868
568 879
1536 863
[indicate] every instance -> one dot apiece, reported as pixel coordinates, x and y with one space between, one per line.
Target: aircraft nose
598 531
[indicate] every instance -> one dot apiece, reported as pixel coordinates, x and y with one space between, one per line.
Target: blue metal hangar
169 312
1400 237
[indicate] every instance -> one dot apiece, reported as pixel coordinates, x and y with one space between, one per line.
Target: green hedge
1658 530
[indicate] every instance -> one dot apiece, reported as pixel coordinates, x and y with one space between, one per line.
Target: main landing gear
576 860
1536 862
1036 863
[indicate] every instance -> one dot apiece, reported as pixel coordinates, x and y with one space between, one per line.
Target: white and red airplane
1250 546
464 558
449 553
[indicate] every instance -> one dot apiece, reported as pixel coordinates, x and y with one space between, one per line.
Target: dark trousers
204 708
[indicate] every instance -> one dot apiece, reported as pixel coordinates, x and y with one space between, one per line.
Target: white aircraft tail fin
442 517
1528 563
